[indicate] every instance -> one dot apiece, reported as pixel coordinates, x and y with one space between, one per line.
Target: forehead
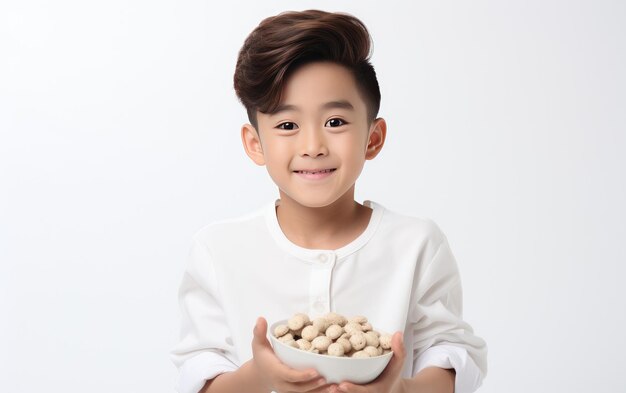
314 84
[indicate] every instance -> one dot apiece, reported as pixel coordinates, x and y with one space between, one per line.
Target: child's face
314 134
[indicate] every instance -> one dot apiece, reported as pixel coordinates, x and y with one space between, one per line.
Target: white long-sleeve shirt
400 273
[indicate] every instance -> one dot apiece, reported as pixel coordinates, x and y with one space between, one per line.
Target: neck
325 227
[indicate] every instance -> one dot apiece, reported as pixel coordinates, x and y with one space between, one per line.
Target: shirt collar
312 255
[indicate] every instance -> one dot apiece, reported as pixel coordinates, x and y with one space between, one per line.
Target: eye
288 125
336 122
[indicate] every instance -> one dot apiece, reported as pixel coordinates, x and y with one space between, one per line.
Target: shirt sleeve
440 335
203 350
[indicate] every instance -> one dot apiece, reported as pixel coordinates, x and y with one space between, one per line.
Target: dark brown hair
282 43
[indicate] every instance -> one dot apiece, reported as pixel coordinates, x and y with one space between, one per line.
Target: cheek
353 165
275 152
352 151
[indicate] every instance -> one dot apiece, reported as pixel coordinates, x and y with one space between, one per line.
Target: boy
312 99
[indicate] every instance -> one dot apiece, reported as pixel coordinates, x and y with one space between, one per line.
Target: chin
313 202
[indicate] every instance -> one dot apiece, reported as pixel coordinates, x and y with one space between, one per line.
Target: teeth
310 173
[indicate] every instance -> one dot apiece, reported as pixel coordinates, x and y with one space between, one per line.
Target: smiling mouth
316 172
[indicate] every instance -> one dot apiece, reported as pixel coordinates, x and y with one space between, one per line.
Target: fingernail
343 388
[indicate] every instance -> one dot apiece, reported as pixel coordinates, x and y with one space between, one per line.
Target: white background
119 138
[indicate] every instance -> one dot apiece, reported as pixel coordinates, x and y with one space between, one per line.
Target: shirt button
323 258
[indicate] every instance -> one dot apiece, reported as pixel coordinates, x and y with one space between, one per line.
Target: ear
252 144
377 134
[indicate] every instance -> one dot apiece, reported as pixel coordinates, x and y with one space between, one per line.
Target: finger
260 333
399 352
322 389
285 372
315 385
396 364
350 388
294 376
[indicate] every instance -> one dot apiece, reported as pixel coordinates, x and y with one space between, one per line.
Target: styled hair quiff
282 43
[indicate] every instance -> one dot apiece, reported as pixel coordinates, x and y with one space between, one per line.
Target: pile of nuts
334 335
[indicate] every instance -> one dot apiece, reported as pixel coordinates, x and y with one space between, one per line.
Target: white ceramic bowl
334 369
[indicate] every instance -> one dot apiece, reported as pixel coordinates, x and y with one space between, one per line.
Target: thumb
260 332
397 346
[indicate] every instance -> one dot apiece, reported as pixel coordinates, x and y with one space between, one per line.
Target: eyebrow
340 104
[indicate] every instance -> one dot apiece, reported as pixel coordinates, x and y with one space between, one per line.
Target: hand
389 381
277 376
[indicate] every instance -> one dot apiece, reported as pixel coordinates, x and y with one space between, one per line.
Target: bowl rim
342 358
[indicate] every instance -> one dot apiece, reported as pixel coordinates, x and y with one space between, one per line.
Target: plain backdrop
120 137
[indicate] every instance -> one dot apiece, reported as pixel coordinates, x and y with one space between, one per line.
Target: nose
312 142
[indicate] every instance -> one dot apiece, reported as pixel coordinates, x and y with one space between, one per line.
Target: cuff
197 370
468 375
